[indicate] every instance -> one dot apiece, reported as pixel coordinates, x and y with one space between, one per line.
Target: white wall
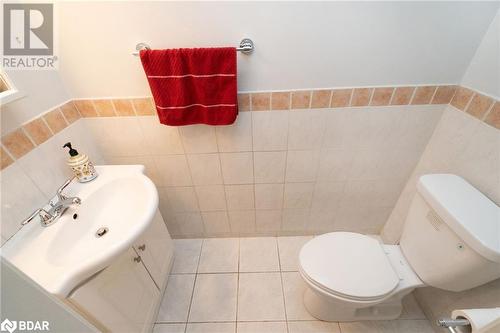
483 73
22 299
42 90
298 44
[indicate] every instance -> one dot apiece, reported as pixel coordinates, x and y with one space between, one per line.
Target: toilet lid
348 264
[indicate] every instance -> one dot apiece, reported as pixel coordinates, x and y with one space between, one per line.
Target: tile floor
252 285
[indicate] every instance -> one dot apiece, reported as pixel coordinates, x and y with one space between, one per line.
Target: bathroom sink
116 208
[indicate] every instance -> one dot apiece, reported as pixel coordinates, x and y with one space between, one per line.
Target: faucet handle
60 195
42 213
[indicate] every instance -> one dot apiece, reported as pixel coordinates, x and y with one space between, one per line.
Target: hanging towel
193 86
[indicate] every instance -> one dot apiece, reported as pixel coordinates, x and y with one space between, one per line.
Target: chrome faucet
57 208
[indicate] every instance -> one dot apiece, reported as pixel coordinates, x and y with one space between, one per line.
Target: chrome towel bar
246 47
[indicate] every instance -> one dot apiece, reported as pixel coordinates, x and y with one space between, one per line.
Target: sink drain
101 232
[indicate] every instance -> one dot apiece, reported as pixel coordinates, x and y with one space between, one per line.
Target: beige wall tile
143 106
423 95
240 197
301 99
236 137
269 130
280 101
361 96
198 138
340 98
479 105
242 222
55 120
38 131
261 101
268 221
269 196
5 159
104 108
123 107
86 108
321 98
493 117
243 102
70 112
205 169
402 95
462 98
216 223
211 197
444 94
269 167
381 96
17 143
237 168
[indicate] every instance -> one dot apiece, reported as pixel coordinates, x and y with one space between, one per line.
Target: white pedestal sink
122 201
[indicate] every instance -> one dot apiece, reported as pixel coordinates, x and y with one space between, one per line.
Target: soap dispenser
80 164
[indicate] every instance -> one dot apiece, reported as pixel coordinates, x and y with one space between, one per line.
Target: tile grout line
237 286
413 93
469 102
433 95
392 96
281 279
194 286
370 99
486 114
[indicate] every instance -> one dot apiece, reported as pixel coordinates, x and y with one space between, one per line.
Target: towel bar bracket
246 47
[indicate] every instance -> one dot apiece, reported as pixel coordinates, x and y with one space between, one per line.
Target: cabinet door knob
142 247
137 259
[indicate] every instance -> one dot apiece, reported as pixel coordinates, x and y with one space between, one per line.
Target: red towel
193 86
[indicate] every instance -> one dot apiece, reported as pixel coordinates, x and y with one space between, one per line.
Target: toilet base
327 308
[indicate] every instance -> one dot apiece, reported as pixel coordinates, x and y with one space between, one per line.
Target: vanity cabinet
152 247
125 296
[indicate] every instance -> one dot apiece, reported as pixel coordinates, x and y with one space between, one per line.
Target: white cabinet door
156 250
122 297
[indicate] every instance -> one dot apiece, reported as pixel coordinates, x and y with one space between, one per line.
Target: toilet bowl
366 284
450 241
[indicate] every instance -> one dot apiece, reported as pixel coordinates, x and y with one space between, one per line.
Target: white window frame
12 93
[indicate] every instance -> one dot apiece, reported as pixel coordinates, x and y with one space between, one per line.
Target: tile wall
463 143
315 161
40 167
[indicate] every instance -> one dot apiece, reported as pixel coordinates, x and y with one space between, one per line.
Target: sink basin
116 208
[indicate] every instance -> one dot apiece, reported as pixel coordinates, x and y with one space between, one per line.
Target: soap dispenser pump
82 167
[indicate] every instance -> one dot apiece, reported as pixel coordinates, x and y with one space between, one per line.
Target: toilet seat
349 265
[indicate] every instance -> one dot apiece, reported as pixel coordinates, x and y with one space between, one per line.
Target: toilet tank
451 236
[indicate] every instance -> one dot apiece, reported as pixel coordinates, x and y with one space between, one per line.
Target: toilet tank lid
468 212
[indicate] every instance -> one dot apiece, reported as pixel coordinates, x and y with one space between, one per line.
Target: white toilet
451 240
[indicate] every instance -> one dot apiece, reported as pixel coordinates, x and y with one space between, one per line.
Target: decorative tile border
21 141
351 97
